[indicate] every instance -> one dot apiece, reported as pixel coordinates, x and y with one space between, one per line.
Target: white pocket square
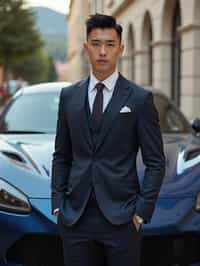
125 109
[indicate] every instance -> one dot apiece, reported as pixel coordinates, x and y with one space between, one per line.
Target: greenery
56 47
52 75
18 36
36 68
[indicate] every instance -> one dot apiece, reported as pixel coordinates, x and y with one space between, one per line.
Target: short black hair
103 22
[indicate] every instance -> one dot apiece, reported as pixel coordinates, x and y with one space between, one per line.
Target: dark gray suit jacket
110 166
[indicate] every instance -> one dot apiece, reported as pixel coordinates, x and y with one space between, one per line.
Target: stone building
162 45
77 65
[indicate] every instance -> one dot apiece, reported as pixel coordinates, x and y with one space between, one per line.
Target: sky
58 5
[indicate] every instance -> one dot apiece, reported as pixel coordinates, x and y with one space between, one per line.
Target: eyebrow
97 40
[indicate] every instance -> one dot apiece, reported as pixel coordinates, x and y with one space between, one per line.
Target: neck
102 76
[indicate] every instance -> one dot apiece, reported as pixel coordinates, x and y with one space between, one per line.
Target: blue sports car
28 232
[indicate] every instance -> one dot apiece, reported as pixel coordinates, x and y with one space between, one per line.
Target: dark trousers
94 241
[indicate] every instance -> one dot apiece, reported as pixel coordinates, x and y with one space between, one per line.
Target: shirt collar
108 82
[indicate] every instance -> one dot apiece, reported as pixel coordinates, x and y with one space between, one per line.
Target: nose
102 50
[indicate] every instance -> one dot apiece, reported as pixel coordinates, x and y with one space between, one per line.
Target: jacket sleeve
62 156
151 145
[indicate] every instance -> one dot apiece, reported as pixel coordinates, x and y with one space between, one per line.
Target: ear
121 49
85 45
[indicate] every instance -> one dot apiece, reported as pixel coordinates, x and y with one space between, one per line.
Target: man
102 123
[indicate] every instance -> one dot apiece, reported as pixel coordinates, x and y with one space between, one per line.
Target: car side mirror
196 125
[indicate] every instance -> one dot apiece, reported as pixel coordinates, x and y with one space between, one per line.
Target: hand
137 225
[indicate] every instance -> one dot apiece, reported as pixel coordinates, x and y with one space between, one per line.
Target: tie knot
99 86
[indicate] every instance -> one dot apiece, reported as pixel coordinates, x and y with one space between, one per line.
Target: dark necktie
97 107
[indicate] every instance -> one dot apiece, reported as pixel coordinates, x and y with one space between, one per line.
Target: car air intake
13 156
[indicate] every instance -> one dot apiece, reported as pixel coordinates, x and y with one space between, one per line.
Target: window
147 46
130 59
32 112
176 57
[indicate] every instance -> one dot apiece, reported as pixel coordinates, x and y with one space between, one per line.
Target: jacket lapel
120 95
81 103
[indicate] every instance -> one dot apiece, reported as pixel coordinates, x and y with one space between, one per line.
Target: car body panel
14 227
25 163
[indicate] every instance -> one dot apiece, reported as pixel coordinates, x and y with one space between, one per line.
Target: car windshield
171 119
31 113
36 113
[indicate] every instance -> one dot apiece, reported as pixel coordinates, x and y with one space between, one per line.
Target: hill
53 28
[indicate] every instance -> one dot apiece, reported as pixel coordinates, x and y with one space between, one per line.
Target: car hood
26 162
35 152
182 153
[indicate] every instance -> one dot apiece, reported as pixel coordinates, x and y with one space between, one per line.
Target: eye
95 44
111 45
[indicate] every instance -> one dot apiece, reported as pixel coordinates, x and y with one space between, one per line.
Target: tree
34 68
18 36
52 74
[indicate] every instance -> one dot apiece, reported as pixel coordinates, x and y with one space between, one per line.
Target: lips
102 61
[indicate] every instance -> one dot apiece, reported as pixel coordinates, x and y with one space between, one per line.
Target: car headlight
13 200
197 202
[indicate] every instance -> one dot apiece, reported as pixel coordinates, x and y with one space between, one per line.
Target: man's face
103 48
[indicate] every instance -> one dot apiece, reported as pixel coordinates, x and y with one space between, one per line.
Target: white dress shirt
109 84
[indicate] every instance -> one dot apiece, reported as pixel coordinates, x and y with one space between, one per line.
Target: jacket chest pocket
126 119
123 129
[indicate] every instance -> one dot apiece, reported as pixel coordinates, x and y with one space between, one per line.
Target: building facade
162 45
77 65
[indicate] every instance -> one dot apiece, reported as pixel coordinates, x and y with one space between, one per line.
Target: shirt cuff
139 219
56 210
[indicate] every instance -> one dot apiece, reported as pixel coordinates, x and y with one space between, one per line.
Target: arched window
130 54
148 52
176 56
